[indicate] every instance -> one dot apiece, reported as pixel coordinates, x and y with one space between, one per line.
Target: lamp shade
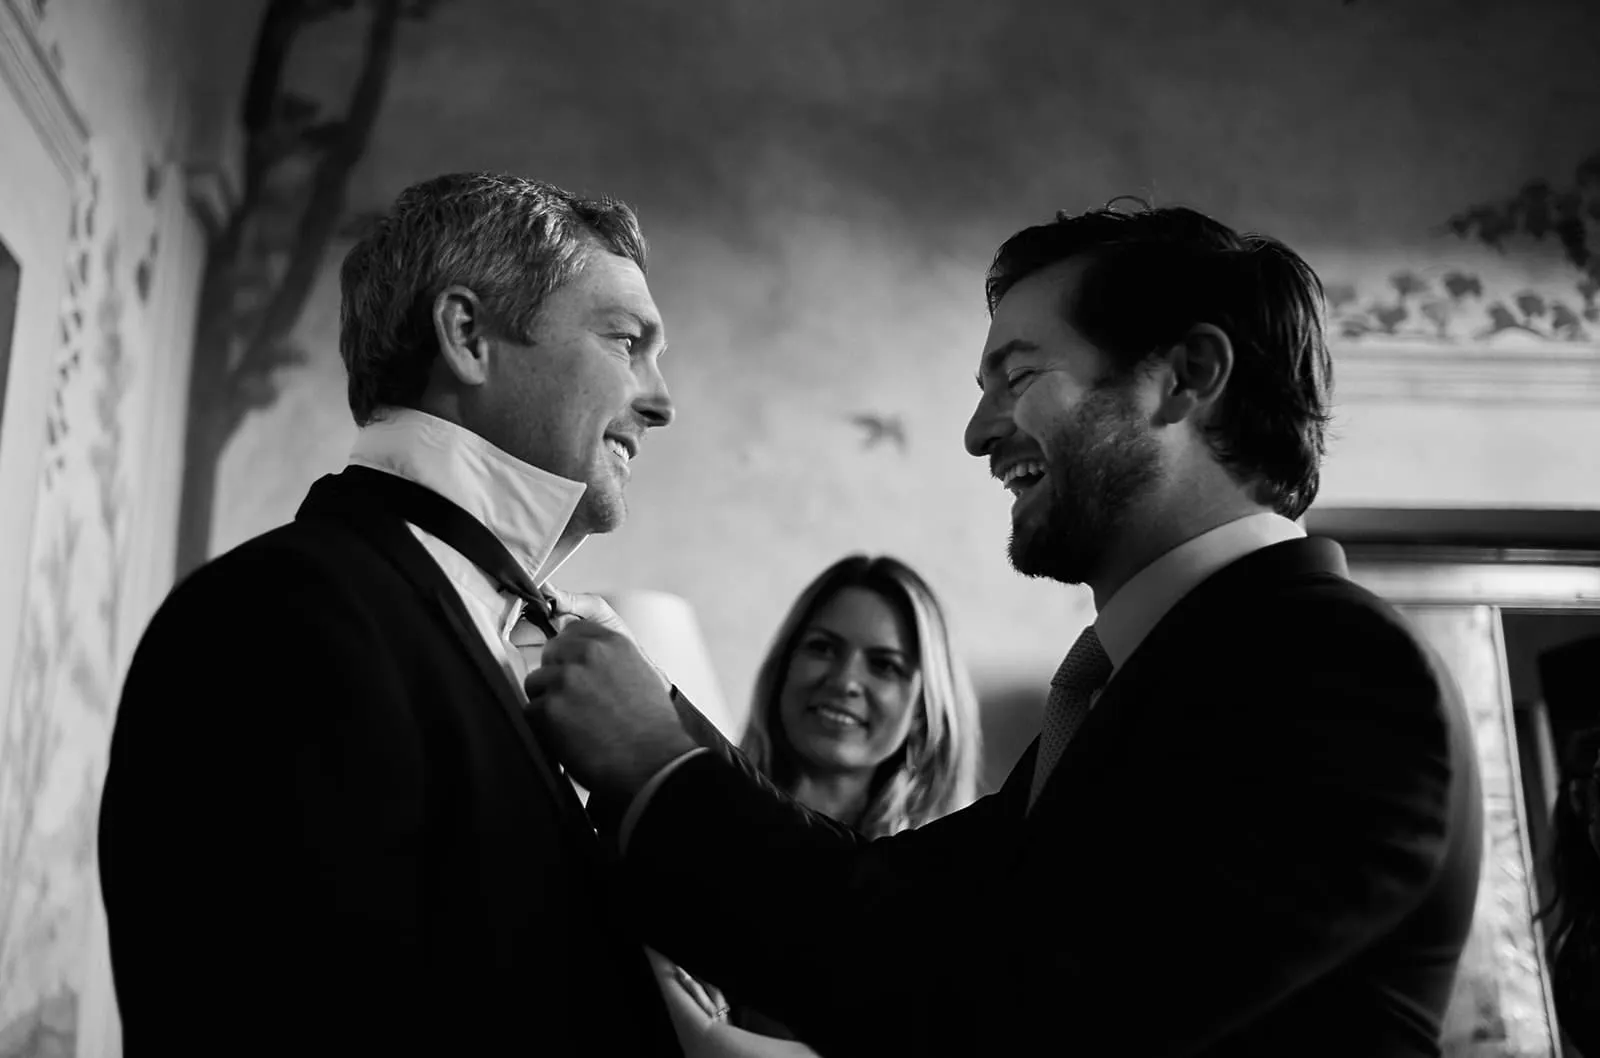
667 631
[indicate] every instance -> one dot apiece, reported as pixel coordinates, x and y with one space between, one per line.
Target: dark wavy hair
935 771
1153 274
510 241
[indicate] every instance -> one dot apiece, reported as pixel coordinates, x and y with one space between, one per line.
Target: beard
1101 462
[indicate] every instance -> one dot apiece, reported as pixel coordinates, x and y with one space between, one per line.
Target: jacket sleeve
1279 821
260 821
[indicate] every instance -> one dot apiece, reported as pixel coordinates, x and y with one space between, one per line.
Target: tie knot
1087 665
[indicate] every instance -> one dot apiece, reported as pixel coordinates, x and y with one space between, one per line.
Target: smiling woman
861 709
864 713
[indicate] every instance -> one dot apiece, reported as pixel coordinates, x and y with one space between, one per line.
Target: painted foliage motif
55 720
1495 300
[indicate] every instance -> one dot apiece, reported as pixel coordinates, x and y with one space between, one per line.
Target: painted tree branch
1570 215
263 263
319 222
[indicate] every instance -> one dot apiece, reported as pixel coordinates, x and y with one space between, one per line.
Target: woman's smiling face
852 686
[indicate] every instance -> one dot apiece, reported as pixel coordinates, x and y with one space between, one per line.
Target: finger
692 986
575 642
580 604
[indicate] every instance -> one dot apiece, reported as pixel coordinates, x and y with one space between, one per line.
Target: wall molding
1565 373
26 67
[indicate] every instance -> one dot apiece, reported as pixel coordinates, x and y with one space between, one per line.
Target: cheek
804 673
896 700
1035 415
797 684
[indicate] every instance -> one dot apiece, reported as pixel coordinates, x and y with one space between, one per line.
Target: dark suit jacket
1264 841
328 830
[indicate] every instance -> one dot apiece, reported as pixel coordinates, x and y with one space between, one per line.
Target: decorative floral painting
55 720
1525 271
1453 306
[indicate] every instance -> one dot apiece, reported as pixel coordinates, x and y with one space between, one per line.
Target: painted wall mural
1553 224
54 735
1452 306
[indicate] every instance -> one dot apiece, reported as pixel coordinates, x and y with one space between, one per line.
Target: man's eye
628 340
1016 378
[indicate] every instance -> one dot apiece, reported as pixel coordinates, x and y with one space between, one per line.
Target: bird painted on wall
877 428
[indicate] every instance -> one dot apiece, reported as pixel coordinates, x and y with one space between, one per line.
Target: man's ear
459 325
1197 370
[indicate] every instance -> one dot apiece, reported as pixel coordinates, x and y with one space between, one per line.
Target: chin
819 757
602 512
1032 555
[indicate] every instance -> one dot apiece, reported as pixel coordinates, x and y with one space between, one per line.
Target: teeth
838 715
1021 469
618 448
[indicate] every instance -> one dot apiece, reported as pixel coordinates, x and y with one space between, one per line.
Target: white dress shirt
1128 617
526 508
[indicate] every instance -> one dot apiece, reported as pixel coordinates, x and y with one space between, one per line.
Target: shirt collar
525 507
1139 605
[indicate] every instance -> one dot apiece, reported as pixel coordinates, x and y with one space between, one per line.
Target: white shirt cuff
641 800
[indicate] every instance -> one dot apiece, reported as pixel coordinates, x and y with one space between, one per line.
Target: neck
1162 528
841 796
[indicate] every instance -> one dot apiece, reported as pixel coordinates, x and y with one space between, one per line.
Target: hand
605 708
693 1003
569 606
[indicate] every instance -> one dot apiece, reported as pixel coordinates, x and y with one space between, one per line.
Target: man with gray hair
327 827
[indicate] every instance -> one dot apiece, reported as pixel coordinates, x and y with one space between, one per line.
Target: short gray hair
510 241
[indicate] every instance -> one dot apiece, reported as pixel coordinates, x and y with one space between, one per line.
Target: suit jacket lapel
455 615
331 497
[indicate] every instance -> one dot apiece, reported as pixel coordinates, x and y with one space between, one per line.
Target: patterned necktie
1084 671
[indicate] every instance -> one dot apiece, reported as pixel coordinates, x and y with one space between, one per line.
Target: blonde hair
935 771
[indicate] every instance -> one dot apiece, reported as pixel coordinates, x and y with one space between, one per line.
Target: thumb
560 601
583 605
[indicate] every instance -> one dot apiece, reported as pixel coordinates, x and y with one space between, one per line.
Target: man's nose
654 404
987 427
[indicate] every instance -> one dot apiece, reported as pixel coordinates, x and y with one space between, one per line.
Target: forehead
1033 314
607 282
865 616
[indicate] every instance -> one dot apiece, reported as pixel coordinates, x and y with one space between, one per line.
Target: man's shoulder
300 547
1286 588
1305 617
300 562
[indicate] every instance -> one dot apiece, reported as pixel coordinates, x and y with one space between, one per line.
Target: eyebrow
874 648
994 358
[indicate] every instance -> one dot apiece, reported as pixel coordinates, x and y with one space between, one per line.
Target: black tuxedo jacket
328 830
1264 841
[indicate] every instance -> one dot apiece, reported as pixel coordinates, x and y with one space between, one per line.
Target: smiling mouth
620 449
1020 478
837 718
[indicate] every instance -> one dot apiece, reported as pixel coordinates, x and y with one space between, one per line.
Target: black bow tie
432 513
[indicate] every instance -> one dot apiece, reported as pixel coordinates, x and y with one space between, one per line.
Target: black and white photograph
799 528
